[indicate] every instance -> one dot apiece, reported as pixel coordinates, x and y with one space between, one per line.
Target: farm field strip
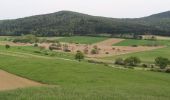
82 39
28 55
9 82
130 42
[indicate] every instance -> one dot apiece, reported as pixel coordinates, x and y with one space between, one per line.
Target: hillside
73 23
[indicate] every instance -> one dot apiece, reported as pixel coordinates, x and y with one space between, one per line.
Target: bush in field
86 51
132 61
66 48
7 46
52 46
26 39
144 65
35 45
167 70
95 50
56 46
119 61
161 62
134 45
79 56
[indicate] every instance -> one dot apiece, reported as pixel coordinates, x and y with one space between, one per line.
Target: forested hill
73 23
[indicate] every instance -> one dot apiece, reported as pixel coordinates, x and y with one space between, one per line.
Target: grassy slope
33 50
130 42
146 56
82 39
83 81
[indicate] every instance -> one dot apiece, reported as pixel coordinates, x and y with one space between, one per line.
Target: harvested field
9 81
106 48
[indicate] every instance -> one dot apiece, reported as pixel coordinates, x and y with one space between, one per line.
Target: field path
10 81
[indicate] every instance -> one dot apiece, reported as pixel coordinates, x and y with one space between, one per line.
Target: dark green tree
162 62
79 56
132 61
7 46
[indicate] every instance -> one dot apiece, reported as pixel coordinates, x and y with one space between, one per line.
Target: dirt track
9 81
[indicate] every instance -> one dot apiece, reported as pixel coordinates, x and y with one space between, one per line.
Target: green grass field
130 42
36 51
82 39
146 56
81 81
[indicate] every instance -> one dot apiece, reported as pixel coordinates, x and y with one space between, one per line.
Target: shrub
95 50
79 56
35 45
132 61
7 46
55 46
167 70
37 52
119 61
161 62
134 45
106 52
66 48
144 65
26 39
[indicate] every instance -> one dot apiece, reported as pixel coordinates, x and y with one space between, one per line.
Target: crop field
130 42
75 80
82 39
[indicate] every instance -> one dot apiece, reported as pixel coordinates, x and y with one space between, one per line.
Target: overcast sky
11 9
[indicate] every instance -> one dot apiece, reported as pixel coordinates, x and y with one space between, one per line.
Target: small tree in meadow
119 61
161 62
35 45
79 56
7 46
132 61
95 50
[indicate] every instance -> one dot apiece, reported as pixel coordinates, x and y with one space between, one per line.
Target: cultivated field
82 39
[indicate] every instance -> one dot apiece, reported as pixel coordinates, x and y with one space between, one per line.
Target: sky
12 9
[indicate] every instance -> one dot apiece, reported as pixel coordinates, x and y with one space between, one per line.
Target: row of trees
134 61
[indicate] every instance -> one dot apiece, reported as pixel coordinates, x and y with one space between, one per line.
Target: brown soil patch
106 48
118 50
9 81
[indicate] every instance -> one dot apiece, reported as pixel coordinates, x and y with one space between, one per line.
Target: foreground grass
82 39
82 81
130 42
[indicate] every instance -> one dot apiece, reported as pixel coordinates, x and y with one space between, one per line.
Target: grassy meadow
82 81
145 56
130 42
82 39
68 79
